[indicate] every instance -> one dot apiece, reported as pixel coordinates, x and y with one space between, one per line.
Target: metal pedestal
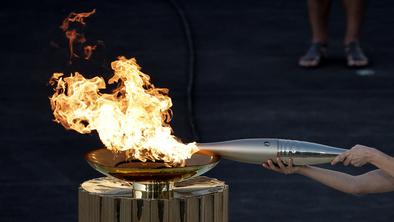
200 199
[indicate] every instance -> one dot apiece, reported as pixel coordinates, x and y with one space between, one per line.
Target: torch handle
260 150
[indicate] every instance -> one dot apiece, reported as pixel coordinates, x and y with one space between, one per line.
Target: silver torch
260 150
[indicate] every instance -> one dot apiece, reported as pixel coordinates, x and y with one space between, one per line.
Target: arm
383 162
360 155
375 181
337 180
372 182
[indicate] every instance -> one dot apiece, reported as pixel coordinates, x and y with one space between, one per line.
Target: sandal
314 56
355 55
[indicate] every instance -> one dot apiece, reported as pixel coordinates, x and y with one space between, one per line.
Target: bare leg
355 11
319 11
318 17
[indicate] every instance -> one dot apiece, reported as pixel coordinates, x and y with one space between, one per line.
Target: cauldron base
197 199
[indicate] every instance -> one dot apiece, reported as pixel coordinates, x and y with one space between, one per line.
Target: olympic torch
260 150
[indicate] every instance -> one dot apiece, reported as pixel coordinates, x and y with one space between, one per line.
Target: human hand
281 168
357 156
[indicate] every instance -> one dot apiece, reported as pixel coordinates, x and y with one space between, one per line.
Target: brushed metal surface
260 150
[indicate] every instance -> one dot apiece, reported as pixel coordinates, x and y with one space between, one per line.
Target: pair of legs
319 11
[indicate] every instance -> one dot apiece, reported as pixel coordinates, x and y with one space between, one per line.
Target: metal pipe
260 150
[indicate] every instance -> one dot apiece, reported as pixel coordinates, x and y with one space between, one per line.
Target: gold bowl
119 166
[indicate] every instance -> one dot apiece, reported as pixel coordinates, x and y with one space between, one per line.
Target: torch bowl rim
115 165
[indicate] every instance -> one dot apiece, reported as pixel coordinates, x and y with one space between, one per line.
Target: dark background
247 84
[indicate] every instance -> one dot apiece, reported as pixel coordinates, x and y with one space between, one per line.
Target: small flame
74 36
88 50
134 117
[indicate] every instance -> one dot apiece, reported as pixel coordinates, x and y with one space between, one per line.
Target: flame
134 117
88 50
74 36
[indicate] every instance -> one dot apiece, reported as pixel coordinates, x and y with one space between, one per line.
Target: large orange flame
133 118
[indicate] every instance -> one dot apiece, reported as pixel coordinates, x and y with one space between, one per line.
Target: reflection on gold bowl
118 166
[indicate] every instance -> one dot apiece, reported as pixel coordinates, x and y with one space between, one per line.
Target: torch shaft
260 150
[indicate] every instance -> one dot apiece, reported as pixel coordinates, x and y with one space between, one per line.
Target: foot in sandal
314 56
355 55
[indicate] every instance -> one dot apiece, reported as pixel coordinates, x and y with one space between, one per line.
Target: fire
133 118
74 36
88 50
